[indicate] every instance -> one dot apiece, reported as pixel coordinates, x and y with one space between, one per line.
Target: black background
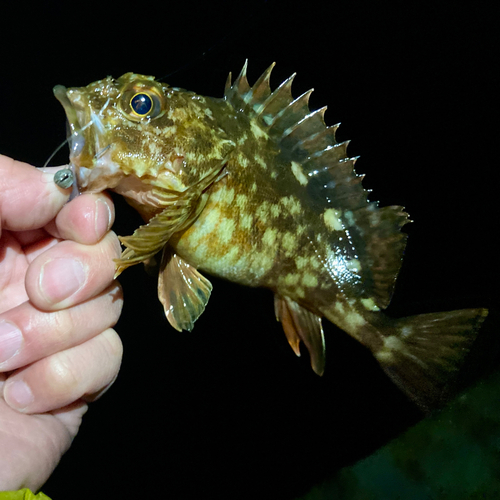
228 411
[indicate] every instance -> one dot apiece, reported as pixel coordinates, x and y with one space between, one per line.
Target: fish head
121 136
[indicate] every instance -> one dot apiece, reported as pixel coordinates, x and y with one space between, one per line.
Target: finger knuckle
61 325
112 345
62 374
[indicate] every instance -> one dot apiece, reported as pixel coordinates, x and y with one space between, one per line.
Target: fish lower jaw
103 175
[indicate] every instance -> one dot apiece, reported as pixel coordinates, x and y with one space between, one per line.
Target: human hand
68 354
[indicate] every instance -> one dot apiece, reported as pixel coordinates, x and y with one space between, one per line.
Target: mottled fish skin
253 187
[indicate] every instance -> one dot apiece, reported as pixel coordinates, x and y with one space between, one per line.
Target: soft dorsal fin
332 182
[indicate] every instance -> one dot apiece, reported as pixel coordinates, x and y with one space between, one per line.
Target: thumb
29 197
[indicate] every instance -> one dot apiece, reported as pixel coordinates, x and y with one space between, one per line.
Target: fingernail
60 278
11 339
18 395
102 218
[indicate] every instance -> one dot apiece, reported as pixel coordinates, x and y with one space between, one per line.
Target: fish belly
225 240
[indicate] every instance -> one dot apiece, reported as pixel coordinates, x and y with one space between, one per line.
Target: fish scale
254 187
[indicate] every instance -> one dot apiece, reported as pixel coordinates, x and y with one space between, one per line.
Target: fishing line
74 135
45 165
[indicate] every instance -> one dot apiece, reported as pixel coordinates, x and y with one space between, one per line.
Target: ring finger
35 334
83 371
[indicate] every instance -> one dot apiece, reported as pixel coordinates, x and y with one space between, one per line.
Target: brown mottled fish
253 187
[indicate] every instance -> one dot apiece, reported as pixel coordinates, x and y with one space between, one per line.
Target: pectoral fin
301 324
182 290
149 239
180 210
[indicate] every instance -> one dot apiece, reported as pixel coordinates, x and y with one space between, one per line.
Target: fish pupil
141 104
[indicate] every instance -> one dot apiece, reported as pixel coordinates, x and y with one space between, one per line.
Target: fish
254 187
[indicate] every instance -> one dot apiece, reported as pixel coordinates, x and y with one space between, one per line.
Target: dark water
453 455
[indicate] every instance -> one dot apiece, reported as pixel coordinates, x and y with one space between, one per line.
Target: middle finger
69 273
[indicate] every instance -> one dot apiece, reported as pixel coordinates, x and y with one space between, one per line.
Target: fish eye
141 99
141 104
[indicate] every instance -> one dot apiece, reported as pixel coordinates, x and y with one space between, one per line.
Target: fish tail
422 353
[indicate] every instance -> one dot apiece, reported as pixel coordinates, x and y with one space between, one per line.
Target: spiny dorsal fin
304 138
261 89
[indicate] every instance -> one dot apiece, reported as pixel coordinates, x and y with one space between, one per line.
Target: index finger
29 197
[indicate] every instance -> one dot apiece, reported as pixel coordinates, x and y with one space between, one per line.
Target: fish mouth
75 116
90 150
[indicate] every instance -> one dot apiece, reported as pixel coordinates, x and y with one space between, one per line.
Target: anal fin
301 324
182 290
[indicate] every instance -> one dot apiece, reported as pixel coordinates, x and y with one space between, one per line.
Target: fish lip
74 116
61 94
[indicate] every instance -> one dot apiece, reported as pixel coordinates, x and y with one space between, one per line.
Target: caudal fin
423 352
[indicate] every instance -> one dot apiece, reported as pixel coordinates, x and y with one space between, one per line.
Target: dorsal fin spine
314 121
328 158
319 141
289 117
261 89
241 83
281 97
227 87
